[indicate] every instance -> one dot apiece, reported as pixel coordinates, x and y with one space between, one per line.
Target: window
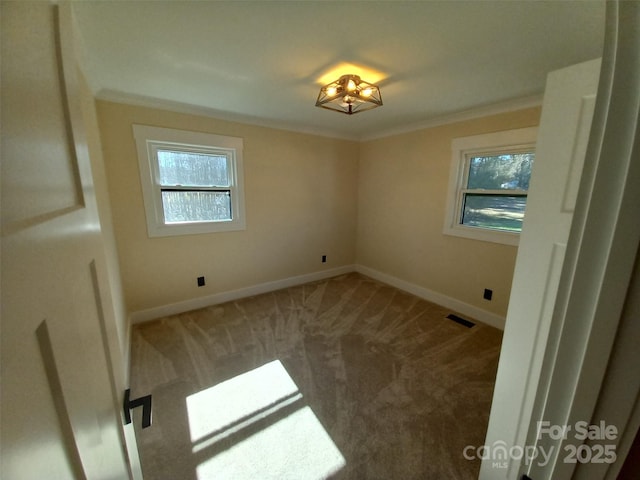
191 182
488 185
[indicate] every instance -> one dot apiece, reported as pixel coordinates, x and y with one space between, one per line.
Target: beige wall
402 194
300 197
379 204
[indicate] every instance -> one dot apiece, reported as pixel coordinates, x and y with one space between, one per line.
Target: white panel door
60 404
567 112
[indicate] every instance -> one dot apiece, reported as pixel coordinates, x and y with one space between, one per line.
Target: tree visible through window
488 185
191 181
195 187
496 191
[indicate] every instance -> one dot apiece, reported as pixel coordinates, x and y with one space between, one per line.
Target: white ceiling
261 61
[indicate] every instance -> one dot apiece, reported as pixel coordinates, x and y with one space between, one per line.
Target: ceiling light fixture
349 94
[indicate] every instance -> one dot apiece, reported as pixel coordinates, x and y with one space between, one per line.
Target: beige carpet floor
345 378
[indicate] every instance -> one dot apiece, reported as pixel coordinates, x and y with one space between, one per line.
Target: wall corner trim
476 313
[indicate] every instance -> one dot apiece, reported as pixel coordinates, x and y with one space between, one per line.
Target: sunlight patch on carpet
269 432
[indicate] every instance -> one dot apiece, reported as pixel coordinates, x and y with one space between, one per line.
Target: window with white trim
489 183
191 182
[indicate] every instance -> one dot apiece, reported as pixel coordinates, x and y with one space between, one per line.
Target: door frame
597 271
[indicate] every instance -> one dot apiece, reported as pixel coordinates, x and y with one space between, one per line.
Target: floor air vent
460 320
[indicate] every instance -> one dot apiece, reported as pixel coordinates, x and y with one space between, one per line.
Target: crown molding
178 107
511 105
115 96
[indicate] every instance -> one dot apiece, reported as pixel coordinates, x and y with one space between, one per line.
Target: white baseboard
461 307
217 298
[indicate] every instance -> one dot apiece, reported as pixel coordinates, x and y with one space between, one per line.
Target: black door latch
144 402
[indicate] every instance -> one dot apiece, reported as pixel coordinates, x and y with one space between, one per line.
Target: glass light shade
349 94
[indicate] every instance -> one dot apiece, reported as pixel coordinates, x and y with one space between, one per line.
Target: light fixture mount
349 94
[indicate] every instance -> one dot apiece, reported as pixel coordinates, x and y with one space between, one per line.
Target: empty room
320 240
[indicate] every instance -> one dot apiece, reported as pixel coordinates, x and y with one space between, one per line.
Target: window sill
483 234
155 231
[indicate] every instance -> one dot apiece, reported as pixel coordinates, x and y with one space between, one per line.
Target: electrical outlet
324 259
488 294
201 281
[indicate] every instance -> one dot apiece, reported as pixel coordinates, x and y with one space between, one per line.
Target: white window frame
149 139
463 148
